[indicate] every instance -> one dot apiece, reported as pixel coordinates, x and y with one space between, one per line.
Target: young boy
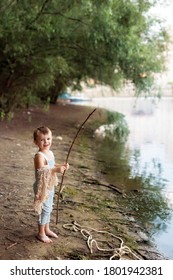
46 179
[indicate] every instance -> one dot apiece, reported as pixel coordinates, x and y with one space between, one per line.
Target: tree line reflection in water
144 188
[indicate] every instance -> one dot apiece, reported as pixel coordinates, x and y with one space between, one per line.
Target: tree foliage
48 45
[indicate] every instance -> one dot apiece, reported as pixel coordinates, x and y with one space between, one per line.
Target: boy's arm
39 161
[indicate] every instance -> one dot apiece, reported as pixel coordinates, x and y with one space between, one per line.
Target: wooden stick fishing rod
68 154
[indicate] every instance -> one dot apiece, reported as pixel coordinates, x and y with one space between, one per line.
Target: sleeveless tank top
50 163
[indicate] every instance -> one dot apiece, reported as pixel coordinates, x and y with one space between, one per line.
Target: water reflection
145 164
143 186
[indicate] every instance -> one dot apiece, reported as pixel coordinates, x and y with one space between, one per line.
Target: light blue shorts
44 217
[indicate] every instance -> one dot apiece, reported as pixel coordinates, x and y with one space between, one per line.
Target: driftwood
62 179
100 183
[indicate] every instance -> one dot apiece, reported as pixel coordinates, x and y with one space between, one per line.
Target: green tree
48 45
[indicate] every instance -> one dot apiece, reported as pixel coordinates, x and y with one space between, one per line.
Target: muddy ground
86 198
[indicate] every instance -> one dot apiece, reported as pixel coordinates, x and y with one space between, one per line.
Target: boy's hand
67 166
61 167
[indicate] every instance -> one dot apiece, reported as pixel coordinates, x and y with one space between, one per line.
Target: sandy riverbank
86 198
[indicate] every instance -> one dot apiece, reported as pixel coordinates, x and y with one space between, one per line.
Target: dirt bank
86 198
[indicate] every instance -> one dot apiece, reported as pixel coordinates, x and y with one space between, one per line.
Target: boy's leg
44 219
49 232
42 235
49 204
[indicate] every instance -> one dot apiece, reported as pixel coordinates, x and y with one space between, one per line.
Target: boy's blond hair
42 129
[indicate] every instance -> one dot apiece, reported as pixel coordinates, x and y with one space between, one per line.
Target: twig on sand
11 245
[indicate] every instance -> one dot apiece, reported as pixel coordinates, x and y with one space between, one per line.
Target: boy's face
44 141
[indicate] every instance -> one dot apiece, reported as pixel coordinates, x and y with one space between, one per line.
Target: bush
116 128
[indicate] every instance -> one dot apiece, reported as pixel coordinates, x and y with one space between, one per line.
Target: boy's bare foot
44 238
51 234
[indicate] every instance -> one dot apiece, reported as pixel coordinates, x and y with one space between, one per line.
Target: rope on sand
86 233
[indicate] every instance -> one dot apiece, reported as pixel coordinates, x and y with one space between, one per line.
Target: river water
150 155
